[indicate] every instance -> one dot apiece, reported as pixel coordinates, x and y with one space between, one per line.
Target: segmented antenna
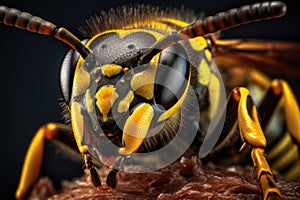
23 20
235 17
221 21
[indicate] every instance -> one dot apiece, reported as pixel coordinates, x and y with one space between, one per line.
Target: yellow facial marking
111 69
81 80
89 101
77 125
146 24
214 91
143 83
175 21
104 98
160 24
136 128
208 54
204 72
198 43
125 103
114 96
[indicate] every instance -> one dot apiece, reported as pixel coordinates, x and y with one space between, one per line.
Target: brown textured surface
188 179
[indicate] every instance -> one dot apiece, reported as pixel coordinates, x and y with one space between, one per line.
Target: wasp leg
252 134
33 159
287 163
279 89
111 180
227 149
89 165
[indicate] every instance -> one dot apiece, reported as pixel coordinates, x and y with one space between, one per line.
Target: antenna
221 21
24 20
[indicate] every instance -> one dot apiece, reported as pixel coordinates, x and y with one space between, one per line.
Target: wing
272 57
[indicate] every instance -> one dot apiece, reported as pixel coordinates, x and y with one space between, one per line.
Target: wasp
147 85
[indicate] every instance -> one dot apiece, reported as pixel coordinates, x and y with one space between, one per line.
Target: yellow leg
291 108
33 160
283 155
252 134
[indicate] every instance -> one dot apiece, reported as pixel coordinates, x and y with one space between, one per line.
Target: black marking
101 39
267 107
231 118
130 46
250 105
103 46
122 51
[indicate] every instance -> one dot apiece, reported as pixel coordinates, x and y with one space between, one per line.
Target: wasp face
115 102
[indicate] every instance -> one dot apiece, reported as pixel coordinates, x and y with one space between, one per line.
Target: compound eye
172 76
67 74
67 71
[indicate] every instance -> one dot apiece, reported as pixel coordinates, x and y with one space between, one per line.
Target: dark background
30 65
